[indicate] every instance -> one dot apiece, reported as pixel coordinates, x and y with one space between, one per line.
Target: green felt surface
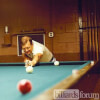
44 76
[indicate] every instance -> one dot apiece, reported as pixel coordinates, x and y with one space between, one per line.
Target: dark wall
58 16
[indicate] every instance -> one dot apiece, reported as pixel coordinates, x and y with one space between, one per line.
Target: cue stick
88 44
80 29
90 41
91 32
94 23
93 35
96 36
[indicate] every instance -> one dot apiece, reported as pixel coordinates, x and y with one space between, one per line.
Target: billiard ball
24 86
92 62
56 63
29 69
75 71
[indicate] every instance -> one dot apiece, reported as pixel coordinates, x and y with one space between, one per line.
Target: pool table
45 78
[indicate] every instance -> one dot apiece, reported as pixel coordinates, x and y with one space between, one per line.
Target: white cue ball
75 71
92 62
29 69
56 63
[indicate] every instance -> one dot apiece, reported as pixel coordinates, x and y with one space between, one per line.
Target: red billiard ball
24 86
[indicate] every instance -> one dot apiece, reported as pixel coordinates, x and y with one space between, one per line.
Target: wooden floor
93 87
97 87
